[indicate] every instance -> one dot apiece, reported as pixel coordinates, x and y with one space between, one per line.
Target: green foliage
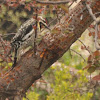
72 59
66 59
67 86
32 96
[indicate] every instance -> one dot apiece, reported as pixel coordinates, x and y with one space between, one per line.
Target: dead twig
96 25
78 54
36 17
54 2
85 46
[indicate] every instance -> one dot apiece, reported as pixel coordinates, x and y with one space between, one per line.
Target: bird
25 36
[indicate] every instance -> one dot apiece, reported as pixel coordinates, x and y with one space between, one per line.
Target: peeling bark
53 45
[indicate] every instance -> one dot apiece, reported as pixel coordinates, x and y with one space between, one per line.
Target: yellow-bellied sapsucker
26 36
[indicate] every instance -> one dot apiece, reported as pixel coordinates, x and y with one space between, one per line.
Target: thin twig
97 13
96 37
96 26
84 46
70 53
36 31
52 21
78 54
7 34
53 2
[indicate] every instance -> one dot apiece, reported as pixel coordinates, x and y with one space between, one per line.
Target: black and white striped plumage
25 36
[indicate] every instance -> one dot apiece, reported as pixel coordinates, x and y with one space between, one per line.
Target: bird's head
42 23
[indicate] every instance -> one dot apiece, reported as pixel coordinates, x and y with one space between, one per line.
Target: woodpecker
25 36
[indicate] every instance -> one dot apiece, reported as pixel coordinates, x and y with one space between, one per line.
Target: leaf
9 59
91 26
97 78
34 2
10 64
28 8
90 34
96 53
82 47
90 59
39 11
99 35
87 67
91 69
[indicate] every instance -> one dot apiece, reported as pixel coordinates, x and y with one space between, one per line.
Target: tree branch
53 2
96 26
54 45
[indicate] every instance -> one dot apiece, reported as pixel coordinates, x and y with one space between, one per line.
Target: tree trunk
52 46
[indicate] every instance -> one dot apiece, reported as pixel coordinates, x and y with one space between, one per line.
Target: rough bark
53 45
